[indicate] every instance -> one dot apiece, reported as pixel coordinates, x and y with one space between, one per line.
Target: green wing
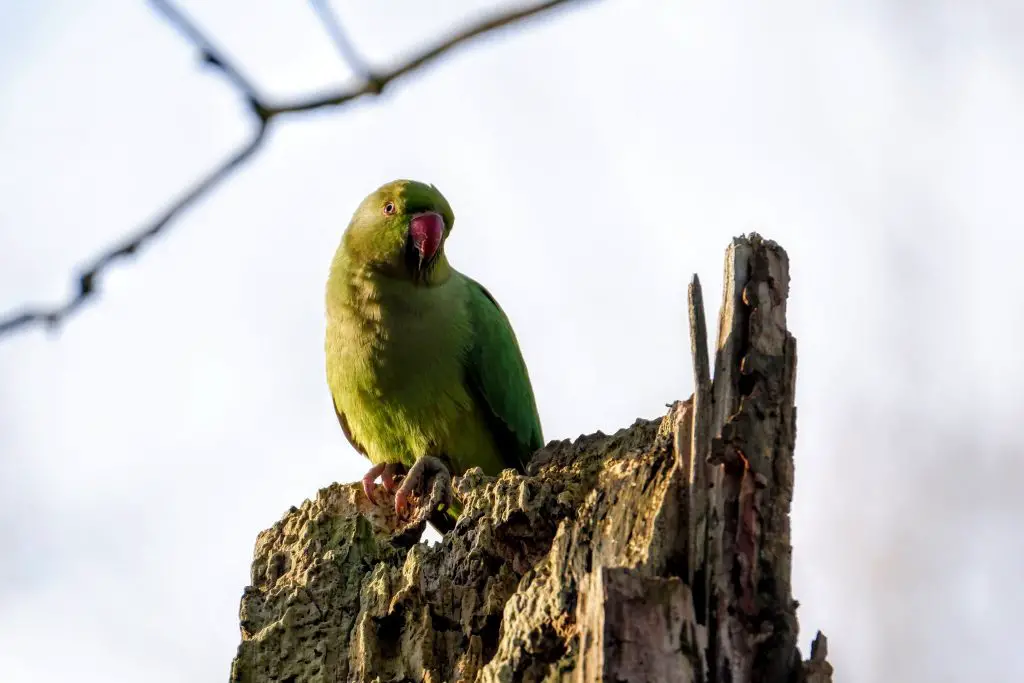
496 375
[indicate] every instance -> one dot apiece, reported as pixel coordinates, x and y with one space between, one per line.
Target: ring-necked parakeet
423 366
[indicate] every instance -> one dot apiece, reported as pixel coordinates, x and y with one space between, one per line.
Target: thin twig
341 40
210 54
264 113
374 88
131 244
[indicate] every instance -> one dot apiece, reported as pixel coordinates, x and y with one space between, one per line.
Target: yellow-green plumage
421 361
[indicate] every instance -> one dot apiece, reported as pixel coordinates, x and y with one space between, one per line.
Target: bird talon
387 477
369 487
401 504
425 469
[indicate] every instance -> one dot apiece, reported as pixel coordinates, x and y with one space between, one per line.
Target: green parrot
423 366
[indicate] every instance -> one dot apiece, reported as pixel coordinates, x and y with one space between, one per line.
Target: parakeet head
399 231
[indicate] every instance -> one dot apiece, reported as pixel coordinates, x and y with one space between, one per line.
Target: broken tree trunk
659 553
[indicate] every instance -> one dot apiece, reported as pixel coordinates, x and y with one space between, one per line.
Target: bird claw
426 467
387 477
386 472
369 487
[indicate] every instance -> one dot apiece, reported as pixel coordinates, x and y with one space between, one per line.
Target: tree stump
658 553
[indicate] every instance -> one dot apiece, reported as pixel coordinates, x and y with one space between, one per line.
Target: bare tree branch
468 33
345 47
210 54
263 112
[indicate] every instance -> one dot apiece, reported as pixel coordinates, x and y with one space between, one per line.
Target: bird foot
426 469
386 472
387 478
369 487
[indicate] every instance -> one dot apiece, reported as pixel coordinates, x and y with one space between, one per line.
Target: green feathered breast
435 371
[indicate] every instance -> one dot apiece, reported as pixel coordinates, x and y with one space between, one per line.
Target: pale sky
595 160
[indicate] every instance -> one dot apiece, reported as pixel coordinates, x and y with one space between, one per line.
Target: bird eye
389 208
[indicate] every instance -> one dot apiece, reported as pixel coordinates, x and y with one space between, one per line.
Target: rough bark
659 553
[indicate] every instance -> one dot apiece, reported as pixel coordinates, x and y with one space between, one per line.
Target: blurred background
596 158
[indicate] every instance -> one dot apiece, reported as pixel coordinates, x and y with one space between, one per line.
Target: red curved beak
426 231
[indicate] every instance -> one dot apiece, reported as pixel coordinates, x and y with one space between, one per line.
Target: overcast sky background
595 160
